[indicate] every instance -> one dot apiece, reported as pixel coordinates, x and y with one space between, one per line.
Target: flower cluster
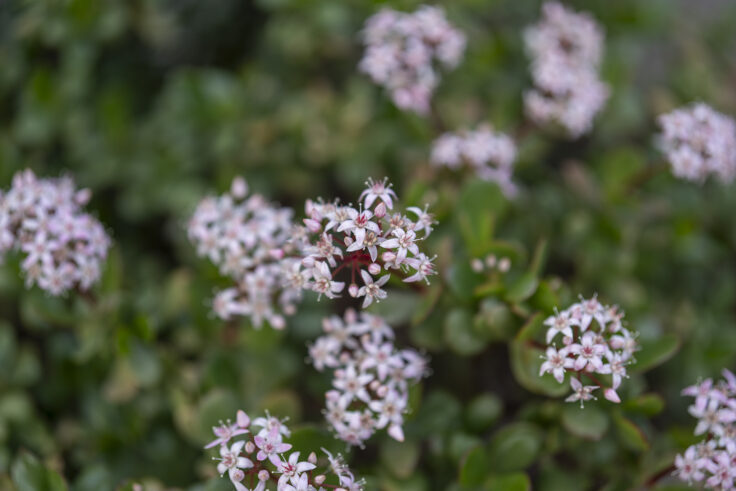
565 48
371 377
403 51
489 153
368 240
491 263
699 142
593 341
248 238
63 247
712 461
255 460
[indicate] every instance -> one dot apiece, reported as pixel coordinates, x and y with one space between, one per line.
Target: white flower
232 463
556 362
378 190
589 352
372 290
581 392
291 472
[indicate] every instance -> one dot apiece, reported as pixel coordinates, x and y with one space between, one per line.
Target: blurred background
154 104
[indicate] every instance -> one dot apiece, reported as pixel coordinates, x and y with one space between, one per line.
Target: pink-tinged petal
559 374
383 279
261 455
283 447
213 443
396 432
575 384
580 363
611 395
275 460
243 419
390 244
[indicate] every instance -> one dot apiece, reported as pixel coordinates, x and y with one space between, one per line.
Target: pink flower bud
312 459
388 257
374 268
374 384
382 391
263 475
611 395
249 447
83 196
380 210
348 241
504 264
318 480
239 188
308 262
243 419
353 290
476 265
236 475
277 322
490 260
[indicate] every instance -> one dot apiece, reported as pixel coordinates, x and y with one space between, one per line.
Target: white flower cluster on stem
272 260
248 238
371 376
698 142
403 51
368 241
489 153
593 341
63 247
712 461
253 454
565 48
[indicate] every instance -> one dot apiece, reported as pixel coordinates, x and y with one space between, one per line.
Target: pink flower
270 446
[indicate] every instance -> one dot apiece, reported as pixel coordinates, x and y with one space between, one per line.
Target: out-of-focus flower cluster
712 461
63 247
699 141
367 241
371 376
403 51
254 455
565 48
248 239
491 154
588 338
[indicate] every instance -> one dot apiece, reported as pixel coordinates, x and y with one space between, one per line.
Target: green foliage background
155 103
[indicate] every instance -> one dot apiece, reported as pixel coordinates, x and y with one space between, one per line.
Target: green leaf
474 467
400 458
522 288
514 447
478 206
517 481
461 335
654 352
590 423
29 474
630 434
483 411
646 404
